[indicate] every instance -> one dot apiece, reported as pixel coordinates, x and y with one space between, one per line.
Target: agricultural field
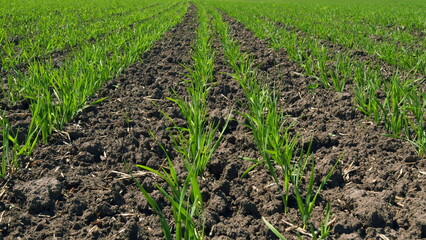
213 119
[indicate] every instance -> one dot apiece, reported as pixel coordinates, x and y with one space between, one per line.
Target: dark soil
77 187
377 176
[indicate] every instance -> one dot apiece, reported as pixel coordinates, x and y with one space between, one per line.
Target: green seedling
270 130
195 143
93 48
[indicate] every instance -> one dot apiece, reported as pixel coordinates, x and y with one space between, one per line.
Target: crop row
55 93
398 48
280 153
66 35
393 98
22 21
196 141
